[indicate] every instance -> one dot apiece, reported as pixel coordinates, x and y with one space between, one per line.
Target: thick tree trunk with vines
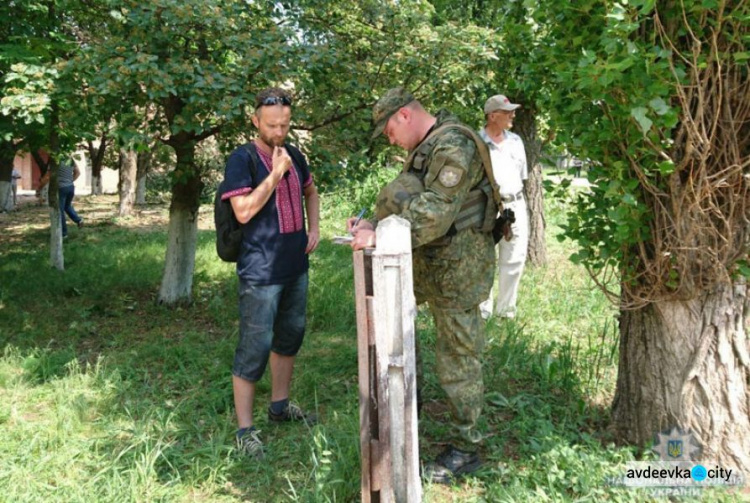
177 282
684 348
687 364
525 126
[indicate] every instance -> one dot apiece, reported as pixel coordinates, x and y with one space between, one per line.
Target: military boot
450 464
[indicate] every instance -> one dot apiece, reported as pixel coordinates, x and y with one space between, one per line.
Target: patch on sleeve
450 176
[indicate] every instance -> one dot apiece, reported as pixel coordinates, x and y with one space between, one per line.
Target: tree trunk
140 191
6 197
96 185
56 256
525 126
6 171
126 185
144 166
686 364
96 182
177 281
7 153
534 193
97 161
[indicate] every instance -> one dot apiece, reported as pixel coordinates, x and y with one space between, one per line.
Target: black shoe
292 413
250 444
451 463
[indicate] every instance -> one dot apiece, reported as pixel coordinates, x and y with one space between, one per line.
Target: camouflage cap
388 105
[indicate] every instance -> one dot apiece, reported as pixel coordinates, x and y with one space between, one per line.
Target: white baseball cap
499 102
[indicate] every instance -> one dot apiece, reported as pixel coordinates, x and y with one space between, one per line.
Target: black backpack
228 229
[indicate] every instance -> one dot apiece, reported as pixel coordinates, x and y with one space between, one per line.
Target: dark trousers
66 195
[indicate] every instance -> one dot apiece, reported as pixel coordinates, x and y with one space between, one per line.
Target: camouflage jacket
438 175
449 271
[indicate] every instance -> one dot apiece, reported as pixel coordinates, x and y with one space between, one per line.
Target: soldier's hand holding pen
362 230
356 223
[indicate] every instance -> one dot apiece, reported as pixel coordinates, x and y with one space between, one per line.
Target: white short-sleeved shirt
508 162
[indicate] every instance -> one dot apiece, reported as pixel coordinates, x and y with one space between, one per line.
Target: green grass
106 396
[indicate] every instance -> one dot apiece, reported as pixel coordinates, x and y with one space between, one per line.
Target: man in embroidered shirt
509 167
273 263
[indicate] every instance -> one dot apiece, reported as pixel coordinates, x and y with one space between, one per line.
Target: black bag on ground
228 229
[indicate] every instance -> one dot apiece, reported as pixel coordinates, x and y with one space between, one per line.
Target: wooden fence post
386 311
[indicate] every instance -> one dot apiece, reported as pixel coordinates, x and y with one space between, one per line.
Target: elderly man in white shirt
509 167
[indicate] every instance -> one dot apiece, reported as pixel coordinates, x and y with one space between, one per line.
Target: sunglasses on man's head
277 100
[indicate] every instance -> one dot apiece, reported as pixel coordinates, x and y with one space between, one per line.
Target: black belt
512 197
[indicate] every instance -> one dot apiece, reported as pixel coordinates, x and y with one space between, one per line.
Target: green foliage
161 177
615 99
35 49
197 61
28 92
371 177
356 51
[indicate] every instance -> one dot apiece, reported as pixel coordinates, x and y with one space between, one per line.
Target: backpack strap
254 160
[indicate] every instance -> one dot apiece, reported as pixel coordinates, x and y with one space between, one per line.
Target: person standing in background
510 171
14 177
68 173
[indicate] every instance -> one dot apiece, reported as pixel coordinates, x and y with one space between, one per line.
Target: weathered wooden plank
363 361
386 311
408 317
394 310
375 461
372 370
382 321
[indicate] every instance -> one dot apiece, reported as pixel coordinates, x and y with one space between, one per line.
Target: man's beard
271 142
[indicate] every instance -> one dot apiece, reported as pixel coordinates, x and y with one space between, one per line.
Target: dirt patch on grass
97 212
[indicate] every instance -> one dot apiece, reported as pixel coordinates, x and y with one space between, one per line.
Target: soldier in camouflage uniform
453 268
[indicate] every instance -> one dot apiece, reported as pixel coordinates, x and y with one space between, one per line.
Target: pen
359 217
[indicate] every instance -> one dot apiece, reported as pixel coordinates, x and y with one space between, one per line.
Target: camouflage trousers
458 353
453 280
